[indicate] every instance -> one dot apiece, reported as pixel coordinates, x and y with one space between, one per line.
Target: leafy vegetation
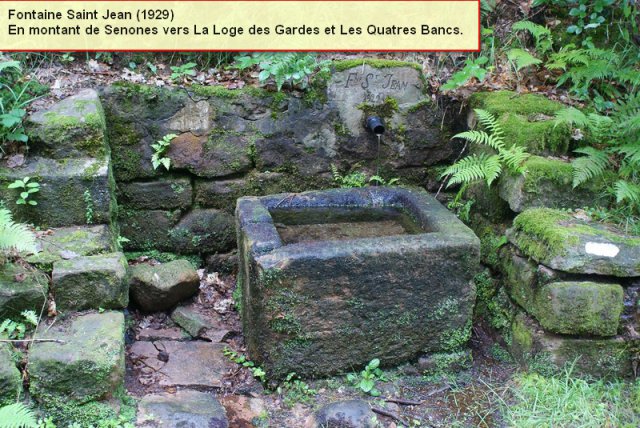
360 179
16 330
295 390
160 149
17 415
27 188
15 236
242 360
292 68
485 167
366 380
181 71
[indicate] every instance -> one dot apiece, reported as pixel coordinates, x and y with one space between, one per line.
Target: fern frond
474 168
489 122
17 415
541 34
15 236
571 116
522 58
627 192
630 153
477 137
586 167
514 158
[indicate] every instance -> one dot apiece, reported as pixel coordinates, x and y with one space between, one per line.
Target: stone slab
65 243
88 362
156 288
565 243
181 409
91 282
160 194
206 365
63 183
10 377
21 289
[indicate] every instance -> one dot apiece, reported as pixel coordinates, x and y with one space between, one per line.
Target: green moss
346 64
455 338
502 102
521 336
537 136
444 363
542 169
165 257
419 106
222 92
386 110
540 233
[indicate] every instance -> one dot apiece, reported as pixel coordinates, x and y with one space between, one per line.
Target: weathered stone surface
220 194
205 369
171 333
389 297
566 307
364 83
180 410
547 183
526 120
69 242
244 411
147 229
87 364
606 357
73 127
562 242
91 282
203 230
10 377
21 289
156 288
61 199
138 116
161 194
580 307
222 153
344 414
223 263
194 117
197 324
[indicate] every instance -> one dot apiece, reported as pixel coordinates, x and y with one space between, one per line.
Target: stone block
526 120
71 128
388 297
10 376
68 188
91 282
547 183
65 243
160 194
21 289
203 231
181 409
156 288
87 362
597 357
569 244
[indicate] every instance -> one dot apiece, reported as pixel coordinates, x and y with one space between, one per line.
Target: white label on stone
600 249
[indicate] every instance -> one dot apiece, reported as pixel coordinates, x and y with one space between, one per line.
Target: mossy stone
85 365
526 120
565 243
73 127
10 377
156 288
579 307
548 183
21 289
91 282
165 193
596 357
74 240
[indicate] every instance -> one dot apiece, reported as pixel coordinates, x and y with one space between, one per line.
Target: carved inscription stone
365 84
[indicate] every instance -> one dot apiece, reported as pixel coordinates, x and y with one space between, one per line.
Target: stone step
91 282
72 191
183 408
84 363
21 289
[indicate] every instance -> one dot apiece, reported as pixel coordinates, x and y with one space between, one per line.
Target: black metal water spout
375 125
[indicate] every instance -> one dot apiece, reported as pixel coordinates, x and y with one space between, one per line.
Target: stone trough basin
332 279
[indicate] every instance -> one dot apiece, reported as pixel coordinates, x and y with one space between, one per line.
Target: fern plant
17 415
485 167
617 148
15 236
541 35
